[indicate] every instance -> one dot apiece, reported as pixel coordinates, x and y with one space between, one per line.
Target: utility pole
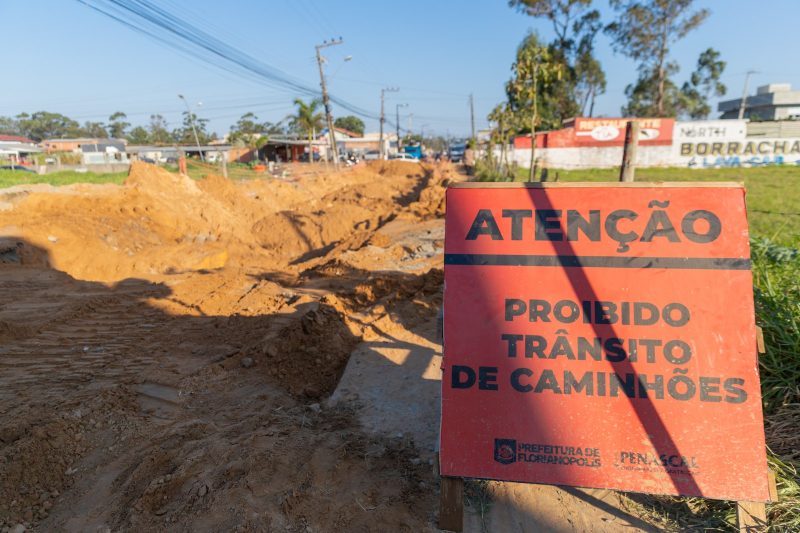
628 169
397 122
472 121
326 101
194 130
743 104
383 118
534 116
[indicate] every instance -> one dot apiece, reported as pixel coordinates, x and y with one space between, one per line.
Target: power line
149 19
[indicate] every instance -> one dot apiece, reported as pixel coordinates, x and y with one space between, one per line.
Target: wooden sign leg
451 504
752 517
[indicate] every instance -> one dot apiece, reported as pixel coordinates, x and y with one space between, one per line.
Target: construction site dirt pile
170 347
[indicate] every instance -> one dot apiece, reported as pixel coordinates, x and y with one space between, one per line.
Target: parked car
17 167
372 155
403 157
304 157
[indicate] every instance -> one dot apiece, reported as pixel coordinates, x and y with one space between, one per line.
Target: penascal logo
505 451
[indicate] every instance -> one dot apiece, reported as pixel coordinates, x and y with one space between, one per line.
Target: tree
703 84
349 122
563 14
249 132
117 125
536 78
273 128
185 134
307 120
94 129
9 126
138 135
590 82
45 125
644 31
158 132
642 95
575 25
247 124
502 134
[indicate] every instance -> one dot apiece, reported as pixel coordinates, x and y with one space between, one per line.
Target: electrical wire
175 32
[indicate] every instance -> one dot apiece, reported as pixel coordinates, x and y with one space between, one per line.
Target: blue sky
67 58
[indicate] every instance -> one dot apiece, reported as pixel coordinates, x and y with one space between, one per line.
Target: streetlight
397 123
194 130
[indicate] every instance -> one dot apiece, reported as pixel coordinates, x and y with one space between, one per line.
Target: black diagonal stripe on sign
599 261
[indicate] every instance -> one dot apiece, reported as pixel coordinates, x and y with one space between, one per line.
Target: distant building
18 149
104 152
77 145
103 145
776 101
15 139
349 141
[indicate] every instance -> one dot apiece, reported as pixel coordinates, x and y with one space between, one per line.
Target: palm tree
307 120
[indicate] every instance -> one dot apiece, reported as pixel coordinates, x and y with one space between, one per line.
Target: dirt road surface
184 355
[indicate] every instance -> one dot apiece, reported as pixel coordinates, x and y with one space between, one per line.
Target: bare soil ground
251 356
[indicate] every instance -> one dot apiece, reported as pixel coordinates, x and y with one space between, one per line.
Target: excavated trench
163 341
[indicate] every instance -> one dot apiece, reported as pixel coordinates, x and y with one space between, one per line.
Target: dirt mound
304 233
308 357
395 168
156 181
431 202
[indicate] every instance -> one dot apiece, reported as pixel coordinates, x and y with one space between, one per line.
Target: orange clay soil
169 346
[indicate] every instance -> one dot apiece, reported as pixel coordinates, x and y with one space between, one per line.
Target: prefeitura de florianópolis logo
505 451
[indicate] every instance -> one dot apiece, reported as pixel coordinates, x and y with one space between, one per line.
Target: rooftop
773 94
15 139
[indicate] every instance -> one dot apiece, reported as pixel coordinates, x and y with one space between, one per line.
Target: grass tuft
10 178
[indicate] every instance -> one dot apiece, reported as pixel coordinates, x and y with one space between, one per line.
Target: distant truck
414 151
456 152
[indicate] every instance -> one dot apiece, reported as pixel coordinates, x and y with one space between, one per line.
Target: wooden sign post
628 169
602 336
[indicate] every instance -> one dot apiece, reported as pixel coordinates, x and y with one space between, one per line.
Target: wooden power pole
472 121
534 117
628 168
397 122
326 101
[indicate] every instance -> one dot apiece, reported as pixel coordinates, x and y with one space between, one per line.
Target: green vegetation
645 30
9 178
308 118
351 123
562 78
197 170
236 171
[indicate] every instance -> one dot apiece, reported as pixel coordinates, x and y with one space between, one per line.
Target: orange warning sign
602 336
